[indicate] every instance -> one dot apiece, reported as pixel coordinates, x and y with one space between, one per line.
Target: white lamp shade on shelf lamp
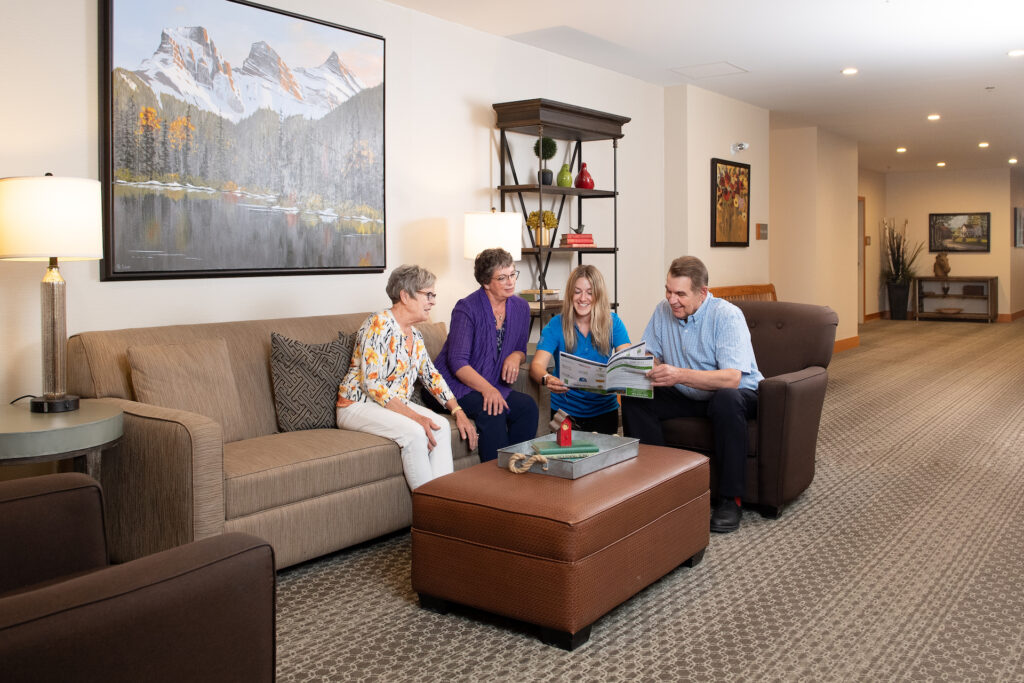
46 218
491 229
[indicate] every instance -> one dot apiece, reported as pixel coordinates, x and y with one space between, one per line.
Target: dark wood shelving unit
546 118
932 303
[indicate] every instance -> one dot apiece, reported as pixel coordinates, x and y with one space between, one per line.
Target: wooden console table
957 298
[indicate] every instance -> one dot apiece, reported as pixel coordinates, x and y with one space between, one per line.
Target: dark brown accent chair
198 612
793 345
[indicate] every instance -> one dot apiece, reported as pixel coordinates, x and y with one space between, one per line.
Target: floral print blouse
382 368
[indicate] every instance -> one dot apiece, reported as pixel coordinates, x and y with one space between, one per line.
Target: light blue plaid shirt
715 337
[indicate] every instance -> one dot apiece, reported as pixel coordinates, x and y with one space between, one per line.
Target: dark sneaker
725 516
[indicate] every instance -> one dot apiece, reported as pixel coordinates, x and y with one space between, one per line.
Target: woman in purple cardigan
486 345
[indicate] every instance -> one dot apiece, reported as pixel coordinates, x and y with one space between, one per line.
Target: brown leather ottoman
558 553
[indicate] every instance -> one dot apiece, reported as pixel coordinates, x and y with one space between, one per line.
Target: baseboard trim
873 316
846 344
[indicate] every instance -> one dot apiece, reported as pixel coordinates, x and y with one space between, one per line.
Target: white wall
713 123
814 211
1016 255
871 186
792 231
914 195
837 230
441 146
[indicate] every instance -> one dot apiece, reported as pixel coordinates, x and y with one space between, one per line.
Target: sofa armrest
50 526
200 612
789 413
164 483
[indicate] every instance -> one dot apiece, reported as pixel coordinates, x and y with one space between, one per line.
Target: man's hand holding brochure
624 373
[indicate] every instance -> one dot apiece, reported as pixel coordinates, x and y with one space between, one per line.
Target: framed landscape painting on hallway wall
1018 226
730 204
959 232
239 140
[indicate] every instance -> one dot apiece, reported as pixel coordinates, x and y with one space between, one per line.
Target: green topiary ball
545 148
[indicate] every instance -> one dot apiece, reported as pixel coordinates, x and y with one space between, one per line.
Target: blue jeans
518 423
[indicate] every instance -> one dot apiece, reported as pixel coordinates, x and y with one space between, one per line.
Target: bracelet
455 410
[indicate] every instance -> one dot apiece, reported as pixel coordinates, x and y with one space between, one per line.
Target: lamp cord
21 397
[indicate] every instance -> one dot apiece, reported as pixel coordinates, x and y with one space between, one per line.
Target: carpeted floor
902 561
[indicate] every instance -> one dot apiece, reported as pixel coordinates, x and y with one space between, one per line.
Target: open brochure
624 373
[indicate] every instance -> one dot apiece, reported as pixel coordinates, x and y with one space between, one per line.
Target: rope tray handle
519 457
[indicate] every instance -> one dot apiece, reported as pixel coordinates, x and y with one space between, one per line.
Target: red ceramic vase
584 180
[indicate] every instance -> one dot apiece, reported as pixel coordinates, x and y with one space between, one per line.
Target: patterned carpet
901 562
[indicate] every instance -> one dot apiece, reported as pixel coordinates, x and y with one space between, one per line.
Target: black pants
605 423
728 410
517 424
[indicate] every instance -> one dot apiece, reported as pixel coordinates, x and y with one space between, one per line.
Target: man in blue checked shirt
704 367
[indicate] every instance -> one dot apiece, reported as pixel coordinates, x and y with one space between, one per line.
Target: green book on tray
579 448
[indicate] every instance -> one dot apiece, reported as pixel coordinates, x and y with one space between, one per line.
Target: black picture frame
217 162
960 233
730 204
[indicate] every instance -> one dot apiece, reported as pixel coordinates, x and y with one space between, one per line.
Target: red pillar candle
565 433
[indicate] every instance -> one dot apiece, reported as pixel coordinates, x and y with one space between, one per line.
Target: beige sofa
180 476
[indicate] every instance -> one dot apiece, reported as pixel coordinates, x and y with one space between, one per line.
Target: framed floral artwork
730 204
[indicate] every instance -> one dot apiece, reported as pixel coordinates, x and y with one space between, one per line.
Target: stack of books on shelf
577 239
551 299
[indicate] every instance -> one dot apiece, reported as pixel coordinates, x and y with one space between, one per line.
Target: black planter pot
545 176
898 296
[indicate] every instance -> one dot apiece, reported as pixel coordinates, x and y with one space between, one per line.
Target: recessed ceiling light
983 145
934 117
1016 53
941 164
849 71
1013 160
901 150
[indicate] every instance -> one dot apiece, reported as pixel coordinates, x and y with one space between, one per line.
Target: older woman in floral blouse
388 358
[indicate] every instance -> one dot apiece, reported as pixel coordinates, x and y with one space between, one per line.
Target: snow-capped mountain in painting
189 67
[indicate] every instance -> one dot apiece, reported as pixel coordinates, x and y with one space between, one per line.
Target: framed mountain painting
239 140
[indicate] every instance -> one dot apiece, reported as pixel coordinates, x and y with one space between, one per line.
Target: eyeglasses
505 278
431 296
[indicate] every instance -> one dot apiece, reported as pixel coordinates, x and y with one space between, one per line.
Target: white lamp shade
46 216
490 229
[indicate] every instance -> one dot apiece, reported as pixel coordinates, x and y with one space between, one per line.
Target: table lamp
490 229
44 218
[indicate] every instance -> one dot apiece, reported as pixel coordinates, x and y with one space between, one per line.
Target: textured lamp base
63 404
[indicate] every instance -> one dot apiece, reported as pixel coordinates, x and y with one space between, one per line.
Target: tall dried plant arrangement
899 254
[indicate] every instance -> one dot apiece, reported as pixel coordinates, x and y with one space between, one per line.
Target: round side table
83 434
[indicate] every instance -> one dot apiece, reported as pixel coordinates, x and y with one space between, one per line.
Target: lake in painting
179 228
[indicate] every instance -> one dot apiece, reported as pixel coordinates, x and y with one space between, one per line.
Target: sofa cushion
306 379
194 376
270 471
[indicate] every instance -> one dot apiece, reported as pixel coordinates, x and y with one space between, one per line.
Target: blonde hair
600 310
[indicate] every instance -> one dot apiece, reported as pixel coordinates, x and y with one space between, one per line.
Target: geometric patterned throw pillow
306 379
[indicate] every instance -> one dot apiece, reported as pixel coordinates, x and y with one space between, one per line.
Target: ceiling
915 57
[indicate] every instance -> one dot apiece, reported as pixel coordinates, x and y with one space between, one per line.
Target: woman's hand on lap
466 428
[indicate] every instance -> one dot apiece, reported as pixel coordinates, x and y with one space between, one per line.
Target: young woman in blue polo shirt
586 327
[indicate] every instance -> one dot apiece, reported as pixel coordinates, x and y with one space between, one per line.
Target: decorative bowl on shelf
948 311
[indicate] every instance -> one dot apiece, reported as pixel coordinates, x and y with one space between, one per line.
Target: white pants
420 465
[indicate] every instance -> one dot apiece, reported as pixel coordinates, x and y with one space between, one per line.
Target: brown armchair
793 345
199 612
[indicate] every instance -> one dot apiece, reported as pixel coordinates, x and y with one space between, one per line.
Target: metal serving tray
614 449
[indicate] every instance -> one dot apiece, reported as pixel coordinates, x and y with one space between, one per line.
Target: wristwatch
544 379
